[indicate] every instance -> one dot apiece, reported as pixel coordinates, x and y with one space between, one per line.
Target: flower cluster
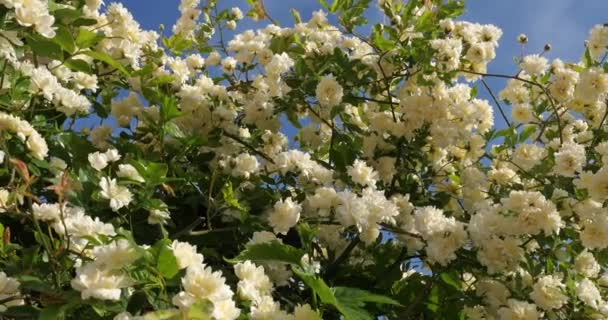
298 173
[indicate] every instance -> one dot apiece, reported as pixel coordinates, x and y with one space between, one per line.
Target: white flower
115 255
245 165
236 13
57 164
159 216
595 183
85 81
70 102
598 40
527 156
95 282
4 194
518 310
123 316
329 92
9 292
98 160
225 310
262 237
280 63
444 235
587 292
2 156
570 159
324 199
112 155
124 110
534 64
119 196
253 283
128 171
46 211
35 13
284 215
228 64
213 59
186 254
363 174
99 136
586 264
200 282
547 293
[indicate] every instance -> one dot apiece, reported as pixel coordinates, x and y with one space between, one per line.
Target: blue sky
562 23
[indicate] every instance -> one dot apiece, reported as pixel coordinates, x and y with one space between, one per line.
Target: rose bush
303 172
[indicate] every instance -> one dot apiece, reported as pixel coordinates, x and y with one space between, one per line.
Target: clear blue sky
562 23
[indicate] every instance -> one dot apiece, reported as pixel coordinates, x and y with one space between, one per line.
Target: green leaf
474 92
52 312
107 59
168 108
166 263
229 198
84 22
33 283
160 315
273 251
200 311
324 4
65 39
336 5
86 38
588 60
45 47
317 284
296 15
78 65
66 14
173 130
451 279
346 295
527 132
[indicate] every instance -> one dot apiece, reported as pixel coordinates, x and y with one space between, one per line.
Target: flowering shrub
155 176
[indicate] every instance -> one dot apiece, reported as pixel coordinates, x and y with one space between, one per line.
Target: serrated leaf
174 130
86 38
45 47
166 263
317 284
64 38
229 198
273 251
168 109
78 65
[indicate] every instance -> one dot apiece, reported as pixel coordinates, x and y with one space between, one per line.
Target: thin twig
502 112
248 146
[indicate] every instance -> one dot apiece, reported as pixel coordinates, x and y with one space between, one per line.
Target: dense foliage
342 171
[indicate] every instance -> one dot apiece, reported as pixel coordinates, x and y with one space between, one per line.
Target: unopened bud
522 38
